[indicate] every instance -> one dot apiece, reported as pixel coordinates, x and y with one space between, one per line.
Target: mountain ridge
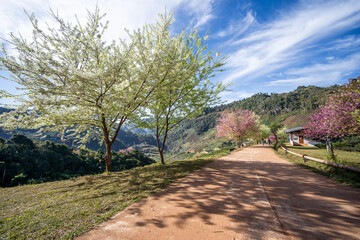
289 108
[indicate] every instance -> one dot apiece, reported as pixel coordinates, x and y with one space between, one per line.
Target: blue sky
272 46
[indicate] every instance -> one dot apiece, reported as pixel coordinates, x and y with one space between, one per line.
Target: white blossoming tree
75 83
185 88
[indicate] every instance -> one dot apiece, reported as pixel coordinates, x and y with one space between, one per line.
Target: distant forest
23 161
125 139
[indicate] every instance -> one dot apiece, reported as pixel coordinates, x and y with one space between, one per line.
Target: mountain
289 108
126 138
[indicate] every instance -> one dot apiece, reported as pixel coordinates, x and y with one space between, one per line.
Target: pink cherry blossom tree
336 118
237 125
356 113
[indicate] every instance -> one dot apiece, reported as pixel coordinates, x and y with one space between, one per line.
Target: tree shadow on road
262 199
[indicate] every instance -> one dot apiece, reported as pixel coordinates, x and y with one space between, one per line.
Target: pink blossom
129 149
335 119
237 125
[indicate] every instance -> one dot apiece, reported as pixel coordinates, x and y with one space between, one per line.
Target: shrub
18 179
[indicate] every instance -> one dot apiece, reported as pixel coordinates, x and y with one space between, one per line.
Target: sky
271 46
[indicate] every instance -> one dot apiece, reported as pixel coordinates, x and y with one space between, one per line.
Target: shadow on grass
70 207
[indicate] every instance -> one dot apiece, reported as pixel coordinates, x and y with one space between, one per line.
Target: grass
341 175
344 157
66 209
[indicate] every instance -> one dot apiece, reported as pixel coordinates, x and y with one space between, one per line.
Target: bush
18 179
21 140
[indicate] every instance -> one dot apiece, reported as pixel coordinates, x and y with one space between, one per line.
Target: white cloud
239 27
200 11
330 58
203 20
280 43
129 14
319 74
343 43
230 96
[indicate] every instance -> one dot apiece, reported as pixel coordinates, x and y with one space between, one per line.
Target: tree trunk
108 157
108 141
162 157
160 149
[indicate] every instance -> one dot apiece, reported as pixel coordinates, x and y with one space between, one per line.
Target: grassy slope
65 209
344 157
347 177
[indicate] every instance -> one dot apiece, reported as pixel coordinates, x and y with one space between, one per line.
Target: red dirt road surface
249 194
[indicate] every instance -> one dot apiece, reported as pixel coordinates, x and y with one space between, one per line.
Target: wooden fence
306 157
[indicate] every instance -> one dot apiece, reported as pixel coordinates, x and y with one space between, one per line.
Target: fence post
303 158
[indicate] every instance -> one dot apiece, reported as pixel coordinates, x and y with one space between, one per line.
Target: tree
274 129
237 125
77 84
356 113
264 132
184 75
335 119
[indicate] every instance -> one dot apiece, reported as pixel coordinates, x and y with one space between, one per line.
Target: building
297 137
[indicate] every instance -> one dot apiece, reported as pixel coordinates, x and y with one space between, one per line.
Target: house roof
294 129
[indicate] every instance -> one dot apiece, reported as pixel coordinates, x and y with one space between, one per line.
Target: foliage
75 82
73 79
356 113
288 108
264 132
277 107
66 209
282 137
237 125
125 138
185 86
275 129
27 162
335 119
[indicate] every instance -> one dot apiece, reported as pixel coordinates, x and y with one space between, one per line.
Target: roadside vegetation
65 209
343 157
348 177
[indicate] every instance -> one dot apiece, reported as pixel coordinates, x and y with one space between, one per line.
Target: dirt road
250 194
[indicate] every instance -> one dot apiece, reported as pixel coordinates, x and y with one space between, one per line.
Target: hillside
65 209
199 133
125 139
23 161
290 109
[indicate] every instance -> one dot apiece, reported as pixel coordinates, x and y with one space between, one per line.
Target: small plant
331 157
